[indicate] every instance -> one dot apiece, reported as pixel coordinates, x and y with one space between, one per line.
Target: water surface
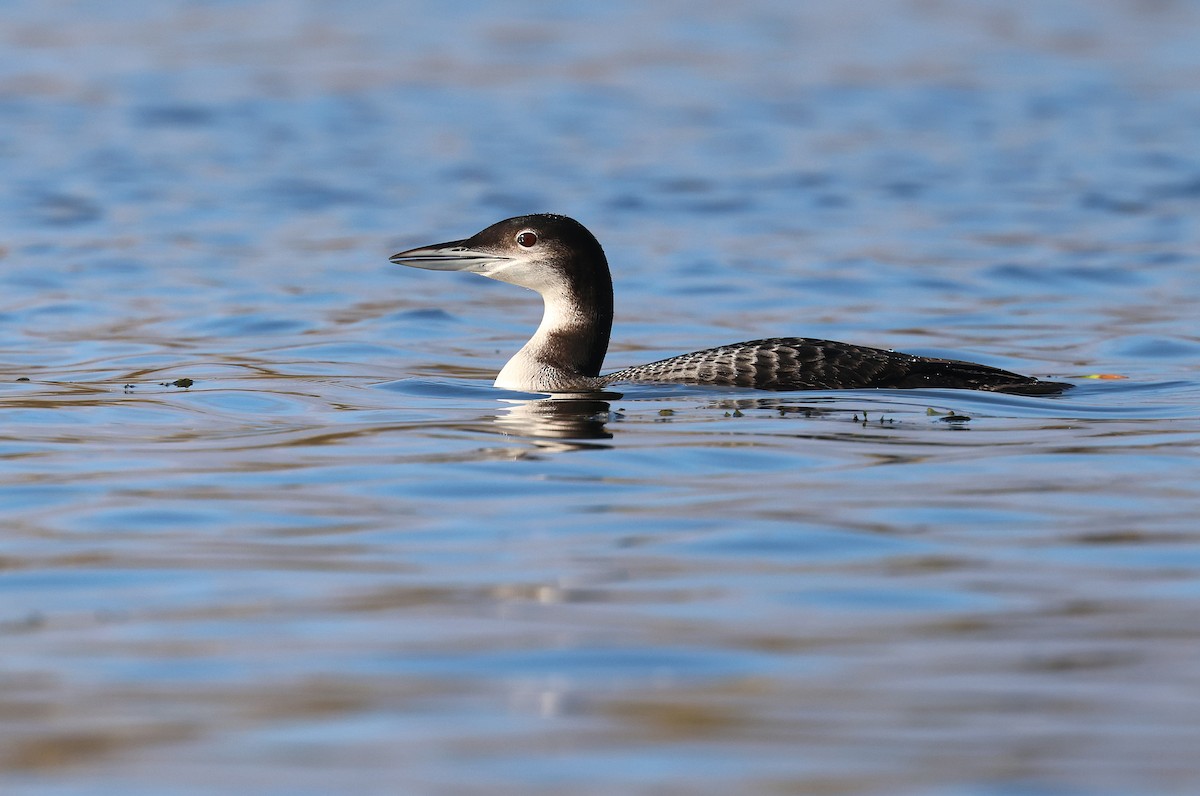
340 561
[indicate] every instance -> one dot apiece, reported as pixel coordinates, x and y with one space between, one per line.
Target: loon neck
567 350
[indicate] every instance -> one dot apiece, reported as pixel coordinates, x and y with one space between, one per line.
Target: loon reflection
557 418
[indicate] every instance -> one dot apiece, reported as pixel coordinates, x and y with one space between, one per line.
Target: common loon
561 260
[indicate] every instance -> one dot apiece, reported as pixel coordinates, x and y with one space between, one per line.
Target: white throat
531 368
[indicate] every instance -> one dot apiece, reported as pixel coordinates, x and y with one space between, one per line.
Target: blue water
340 561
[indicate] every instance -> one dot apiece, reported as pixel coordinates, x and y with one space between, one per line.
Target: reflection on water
565 418
340 561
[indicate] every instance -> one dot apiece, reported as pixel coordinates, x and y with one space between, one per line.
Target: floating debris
807 411
881 421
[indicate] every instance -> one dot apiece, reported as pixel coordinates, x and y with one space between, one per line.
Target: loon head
557 257
542 252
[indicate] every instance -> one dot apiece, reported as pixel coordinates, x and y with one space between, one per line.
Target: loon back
804 363
558 258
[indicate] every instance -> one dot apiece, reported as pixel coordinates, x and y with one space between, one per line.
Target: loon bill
557 257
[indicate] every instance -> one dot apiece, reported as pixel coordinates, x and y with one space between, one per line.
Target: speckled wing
801 363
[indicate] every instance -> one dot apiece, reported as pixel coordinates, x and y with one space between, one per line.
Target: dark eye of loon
527 239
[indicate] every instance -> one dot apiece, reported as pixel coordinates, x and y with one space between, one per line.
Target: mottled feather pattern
801 363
